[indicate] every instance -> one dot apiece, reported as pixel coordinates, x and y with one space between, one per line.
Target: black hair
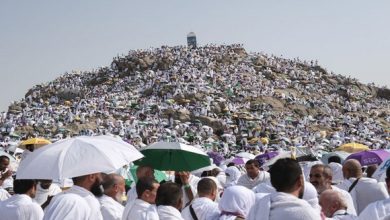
3 157
144 184
334 159
206 186
254 162
284 174
169 194
23 186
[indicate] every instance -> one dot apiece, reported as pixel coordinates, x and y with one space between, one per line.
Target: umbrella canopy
246 155
352 147
262 158
341 154
173 156
217 158
380 172
370 157
35 141
282 154
77 157
239 160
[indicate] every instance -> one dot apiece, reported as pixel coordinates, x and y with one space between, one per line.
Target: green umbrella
158 175
173 156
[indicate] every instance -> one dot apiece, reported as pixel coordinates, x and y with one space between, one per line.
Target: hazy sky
40 40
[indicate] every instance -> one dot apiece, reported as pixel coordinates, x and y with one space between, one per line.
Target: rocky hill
223 87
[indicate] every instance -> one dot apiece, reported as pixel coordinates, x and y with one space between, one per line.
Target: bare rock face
69 94
276 104
298 109
212 122
15 107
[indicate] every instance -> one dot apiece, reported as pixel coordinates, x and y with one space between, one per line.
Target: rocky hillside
218 86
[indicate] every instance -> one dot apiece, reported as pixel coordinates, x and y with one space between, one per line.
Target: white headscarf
311 196
237 200
232 176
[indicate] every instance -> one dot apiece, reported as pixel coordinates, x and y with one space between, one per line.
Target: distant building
191 40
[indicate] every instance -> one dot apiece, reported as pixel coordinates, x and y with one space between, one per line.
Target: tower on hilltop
191 40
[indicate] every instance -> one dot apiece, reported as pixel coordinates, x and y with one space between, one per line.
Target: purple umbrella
265 157
217 158
370 157
239 160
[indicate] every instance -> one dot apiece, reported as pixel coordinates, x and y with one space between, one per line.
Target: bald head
332 201
114 186
352 168
111 180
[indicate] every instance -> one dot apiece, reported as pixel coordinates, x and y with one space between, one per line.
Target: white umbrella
246 155
77 157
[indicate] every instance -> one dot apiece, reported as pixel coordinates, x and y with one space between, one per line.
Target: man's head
170 194
90 182
144 171
286 176
207 188
114 186
147 189
371 170
27 187
45 184
334 159
352 168
4 162
321 177
252 168
388 179
332 201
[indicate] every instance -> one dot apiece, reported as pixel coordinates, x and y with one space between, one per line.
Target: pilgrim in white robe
67 206
376 211
204 208
337 172
309 193
366 191
348 198
236 201
131 195
232 176
139 210
111 209
250 183
42 194
4 194
168 213
20 207
264 187
342 215
89 198
281 205
193 182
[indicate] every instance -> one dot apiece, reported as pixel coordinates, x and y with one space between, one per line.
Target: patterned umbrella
370 157
262 158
